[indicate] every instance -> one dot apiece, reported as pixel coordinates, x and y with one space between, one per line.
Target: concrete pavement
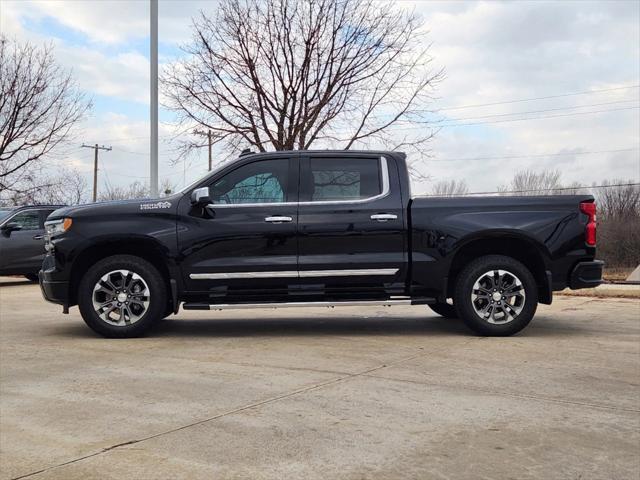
353 393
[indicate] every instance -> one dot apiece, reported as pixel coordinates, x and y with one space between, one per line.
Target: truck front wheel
496 295
121 296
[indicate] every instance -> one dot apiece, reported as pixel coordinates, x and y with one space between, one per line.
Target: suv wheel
121 296
496 295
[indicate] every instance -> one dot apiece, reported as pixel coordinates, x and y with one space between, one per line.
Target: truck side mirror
200 196
7 228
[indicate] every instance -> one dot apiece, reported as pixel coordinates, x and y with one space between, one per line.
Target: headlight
56 227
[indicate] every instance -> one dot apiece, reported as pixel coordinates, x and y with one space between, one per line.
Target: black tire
157 298
32 277
444 309
465 305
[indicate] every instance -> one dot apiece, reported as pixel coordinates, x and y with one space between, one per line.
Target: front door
242 245
351 226
23 249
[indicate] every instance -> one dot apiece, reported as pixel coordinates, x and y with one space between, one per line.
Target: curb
605 291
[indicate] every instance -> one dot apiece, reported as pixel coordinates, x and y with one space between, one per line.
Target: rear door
244 243
350 221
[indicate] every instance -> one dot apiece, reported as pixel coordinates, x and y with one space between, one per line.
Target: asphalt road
352 393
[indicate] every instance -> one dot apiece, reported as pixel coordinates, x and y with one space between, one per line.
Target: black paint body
428 243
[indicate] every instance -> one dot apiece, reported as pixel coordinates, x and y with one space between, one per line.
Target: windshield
4 213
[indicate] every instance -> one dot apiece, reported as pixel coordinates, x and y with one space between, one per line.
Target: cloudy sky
544 84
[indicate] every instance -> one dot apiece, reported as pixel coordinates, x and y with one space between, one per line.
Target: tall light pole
153 54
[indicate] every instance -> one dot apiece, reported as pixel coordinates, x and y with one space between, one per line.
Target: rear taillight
589 208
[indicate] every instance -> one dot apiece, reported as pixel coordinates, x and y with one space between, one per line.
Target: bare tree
619 203
67 187
39 105
529 182
450 188
291 74
134 190
167 187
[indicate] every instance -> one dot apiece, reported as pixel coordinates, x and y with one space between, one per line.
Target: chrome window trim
384 167
295 274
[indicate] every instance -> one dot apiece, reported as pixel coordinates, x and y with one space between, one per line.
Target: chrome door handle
383 217
38 237
278 219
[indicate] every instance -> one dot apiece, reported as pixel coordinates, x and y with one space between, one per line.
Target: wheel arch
146 248
524 249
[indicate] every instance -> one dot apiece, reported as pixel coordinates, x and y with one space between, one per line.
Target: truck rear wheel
496 295
121 296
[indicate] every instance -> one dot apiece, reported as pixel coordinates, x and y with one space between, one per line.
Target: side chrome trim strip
356 303
347 273
294 274
223 276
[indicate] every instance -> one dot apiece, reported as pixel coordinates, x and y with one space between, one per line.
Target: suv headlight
56 227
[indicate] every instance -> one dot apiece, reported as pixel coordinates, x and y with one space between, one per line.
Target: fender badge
155 206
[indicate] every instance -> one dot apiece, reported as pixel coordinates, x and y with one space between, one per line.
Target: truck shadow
307 327
16 282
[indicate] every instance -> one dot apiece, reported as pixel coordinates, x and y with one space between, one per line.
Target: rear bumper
586 275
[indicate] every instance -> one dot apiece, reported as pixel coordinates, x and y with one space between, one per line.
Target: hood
139 205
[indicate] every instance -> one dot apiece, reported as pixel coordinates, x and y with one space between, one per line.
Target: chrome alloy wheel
498 296
121 297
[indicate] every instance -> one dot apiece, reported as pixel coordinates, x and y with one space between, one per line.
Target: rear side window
265 181
341 179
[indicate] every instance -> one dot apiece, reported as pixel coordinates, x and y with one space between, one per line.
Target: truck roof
276 153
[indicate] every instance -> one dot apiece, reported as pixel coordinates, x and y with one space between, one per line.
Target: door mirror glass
200 196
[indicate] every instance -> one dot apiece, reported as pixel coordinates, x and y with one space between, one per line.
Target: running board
347 303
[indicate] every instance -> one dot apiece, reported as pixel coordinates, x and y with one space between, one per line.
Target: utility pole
153 57
209 138
95 165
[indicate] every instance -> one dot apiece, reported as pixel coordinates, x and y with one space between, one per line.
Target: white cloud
497 51
492 52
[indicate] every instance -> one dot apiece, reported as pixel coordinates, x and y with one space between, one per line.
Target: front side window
341 179
29 220
4 213
258 182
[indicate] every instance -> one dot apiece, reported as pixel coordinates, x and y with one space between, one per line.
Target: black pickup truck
317 228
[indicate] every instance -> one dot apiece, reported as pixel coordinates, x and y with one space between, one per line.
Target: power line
519 119
559 189
539 111
118 149
586 92
506 157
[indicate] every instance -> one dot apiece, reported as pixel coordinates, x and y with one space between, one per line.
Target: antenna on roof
246 151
